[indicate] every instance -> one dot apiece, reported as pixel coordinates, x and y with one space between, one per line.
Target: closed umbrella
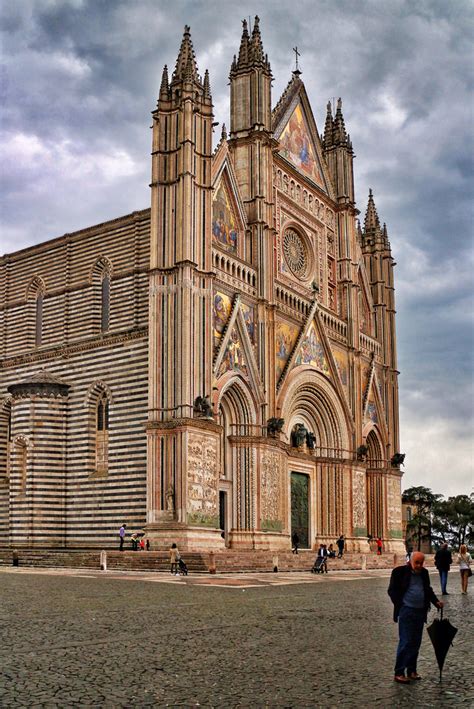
441 634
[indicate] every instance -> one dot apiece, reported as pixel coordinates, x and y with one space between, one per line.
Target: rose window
295 254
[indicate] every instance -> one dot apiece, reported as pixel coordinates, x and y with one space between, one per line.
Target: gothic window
39 319
35 307
5 438
105 304
102 434
20 463
101 276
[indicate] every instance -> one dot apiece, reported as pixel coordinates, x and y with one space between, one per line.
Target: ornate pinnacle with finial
224 132
164 88
207 85
371 221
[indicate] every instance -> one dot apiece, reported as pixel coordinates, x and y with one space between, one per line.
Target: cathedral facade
220 369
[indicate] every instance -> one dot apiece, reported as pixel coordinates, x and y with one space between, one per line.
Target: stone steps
228 561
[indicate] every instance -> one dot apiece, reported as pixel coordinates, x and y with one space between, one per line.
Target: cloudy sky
80 77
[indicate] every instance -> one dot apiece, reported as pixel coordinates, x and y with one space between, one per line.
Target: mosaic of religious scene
365 374
248 313
297 146
312 352
224 223
234 358
372 412
286 335
341 363
221 312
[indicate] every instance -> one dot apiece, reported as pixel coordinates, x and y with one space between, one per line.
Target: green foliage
424 499
453 521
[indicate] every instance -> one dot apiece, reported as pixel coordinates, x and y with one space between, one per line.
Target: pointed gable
225 224
296 146
295 128
311 352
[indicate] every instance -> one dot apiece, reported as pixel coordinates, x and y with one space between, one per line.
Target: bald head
417 559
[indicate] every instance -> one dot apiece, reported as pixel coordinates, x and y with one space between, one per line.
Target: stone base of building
264 541
163 535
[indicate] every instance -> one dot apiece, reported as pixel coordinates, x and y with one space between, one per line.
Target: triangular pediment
313 349
228 214
297 133
373 407
236 353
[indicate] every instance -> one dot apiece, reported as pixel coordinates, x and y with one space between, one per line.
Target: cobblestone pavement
86 639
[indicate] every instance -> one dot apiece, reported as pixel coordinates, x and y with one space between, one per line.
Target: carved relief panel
359 502
202 481
270 490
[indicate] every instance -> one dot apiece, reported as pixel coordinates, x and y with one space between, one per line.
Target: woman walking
464 560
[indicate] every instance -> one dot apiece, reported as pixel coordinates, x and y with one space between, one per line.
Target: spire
164 88
251 52
256 43
186 67
328 127
224 132
244 50
340 135
371 222
207 85
359 231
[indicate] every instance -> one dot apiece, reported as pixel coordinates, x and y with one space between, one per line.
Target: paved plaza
115 639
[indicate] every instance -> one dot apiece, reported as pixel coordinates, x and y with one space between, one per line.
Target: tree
419 527
453 520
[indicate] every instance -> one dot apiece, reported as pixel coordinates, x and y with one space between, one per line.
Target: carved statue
362 452
298 435
170 498
397 459
202 407
310 440
274 426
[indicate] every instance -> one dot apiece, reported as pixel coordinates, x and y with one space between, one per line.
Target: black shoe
445 593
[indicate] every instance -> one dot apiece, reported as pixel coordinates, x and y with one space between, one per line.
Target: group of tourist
137 540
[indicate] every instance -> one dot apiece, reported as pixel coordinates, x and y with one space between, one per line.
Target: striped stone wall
67 501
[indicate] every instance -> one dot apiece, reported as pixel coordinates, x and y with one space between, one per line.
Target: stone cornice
65 351
141 215
183 423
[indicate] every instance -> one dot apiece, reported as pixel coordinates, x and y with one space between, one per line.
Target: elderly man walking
411 596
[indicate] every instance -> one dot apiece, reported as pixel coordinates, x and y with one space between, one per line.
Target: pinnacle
164 88
186 67
251 52
371 222
340 135
328 127
207 85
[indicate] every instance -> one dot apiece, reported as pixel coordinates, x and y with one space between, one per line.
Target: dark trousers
443 579
410 633
121 544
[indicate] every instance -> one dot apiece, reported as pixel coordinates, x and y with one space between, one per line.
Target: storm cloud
79 79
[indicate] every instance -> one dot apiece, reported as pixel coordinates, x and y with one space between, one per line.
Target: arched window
5 438
102 434
100 278
39 319
35 300
105 304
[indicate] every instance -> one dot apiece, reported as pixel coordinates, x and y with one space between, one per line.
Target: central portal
300 508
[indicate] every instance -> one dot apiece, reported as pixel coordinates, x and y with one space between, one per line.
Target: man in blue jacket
411 596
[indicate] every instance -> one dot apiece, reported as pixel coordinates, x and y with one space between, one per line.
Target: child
174 558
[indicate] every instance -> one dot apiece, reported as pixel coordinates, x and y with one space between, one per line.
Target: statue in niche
274 426
397 459
310 440
298 435
362 452
170 498
202 407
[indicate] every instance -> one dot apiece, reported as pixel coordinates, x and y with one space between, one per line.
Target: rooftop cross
297 54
